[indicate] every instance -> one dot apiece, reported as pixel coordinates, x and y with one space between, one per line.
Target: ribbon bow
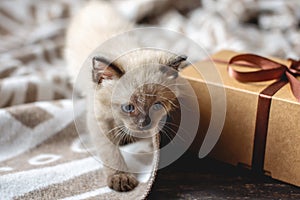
270 70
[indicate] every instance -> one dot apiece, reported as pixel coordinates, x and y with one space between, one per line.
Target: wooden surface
193 178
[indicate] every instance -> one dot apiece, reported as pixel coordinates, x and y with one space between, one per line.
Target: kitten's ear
173 66
103 69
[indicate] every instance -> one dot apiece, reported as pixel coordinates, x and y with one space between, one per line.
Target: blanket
42 156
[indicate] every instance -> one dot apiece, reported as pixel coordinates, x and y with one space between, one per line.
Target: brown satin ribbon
269 70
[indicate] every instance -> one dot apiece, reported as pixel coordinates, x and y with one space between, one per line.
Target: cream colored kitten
127 94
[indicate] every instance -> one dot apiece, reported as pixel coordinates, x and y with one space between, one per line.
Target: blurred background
32 32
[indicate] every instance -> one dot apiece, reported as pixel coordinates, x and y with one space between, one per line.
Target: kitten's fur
135 78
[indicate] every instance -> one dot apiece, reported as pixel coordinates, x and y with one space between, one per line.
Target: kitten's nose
144 122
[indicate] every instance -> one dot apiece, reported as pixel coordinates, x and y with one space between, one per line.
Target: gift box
262 123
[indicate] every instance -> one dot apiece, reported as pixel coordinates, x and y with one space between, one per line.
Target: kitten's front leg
114 166
117 175
116 171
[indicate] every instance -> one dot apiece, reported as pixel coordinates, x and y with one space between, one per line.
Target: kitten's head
144 87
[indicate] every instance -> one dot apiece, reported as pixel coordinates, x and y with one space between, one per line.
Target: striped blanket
41 154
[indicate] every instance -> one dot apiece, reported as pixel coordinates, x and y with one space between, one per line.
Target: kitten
128 95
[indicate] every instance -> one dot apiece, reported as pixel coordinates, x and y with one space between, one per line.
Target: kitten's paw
122 182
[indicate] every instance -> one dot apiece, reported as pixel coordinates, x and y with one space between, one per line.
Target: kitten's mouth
140 132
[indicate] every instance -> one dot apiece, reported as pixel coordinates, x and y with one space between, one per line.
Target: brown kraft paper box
236 144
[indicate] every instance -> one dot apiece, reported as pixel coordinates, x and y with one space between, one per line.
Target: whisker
176 134
171 123
122 137
166 134
179 127
115 128
176 125
168 100
117 134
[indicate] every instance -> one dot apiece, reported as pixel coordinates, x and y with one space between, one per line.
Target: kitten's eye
128 108
157 106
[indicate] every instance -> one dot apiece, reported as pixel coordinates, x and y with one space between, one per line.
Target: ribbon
269 70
